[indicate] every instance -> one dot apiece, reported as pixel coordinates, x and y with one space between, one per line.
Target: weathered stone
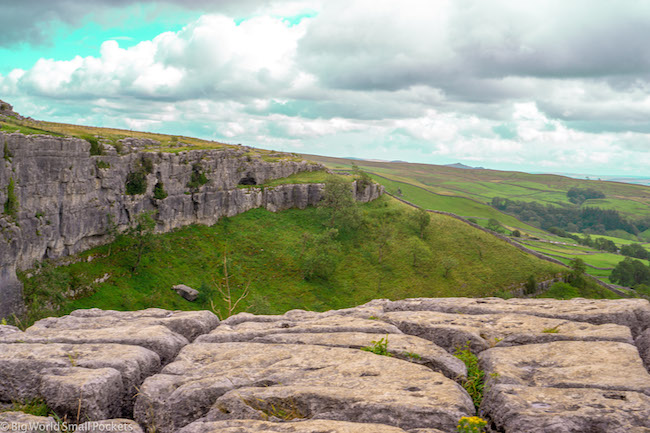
517 409
111 425
406 347
633 313
246 331
157 338
568 364
483 331
22 366
324 382
189 324
311 426
83 393
186 292
643 344
22 422
8 330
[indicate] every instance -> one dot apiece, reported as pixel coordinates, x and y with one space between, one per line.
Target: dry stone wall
68 199
551 367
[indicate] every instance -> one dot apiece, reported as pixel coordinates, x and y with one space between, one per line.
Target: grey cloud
33 21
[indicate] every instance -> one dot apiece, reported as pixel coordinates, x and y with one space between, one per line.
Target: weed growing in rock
6 153
412 356
474 382
159 192
11 205
36 407
553 330
471 424
378 347
102 164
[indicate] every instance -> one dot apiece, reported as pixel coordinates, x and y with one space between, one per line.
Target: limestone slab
633 313
246 331
189 324
22 422
23 366
487 330
406 347
329 382
568 364
517 409
83 393
311 426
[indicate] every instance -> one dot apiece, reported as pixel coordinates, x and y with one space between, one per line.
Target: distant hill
463 166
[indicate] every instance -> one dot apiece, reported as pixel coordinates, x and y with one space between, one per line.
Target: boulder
643 344
520 409
8 330
568 364
186 292
258 381
311 426
111 425
483 331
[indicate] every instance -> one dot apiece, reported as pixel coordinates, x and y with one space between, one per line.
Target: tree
515 233
422 220
448 263
635 250
363 178
578 268
228 293
142 233
319 254
338 199
420 251
630 272
495 225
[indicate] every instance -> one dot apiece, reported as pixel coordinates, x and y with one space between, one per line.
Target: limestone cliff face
67 199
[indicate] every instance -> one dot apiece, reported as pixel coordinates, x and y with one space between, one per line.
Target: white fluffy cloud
503 83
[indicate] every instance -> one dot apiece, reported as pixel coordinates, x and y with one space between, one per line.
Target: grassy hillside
383 257
482 185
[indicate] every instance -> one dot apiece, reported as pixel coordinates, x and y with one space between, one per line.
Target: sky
544 86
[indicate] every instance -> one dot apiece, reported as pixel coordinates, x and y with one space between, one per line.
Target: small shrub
159 192
531 285
96 148
119 147
136 182
515 233
198 178
11 205
474 382
378 347
102 164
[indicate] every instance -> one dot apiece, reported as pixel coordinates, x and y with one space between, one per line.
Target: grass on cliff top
383 258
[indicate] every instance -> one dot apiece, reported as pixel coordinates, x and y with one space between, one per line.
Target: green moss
11 205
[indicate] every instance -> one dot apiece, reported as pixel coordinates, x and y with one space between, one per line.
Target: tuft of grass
553 330
474 383
36 407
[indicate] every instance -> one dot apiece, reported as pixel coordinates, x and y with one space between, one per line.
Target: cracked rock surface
550 367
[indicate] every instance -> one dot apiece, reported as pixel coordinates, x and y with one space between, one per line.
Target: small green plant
412 356
373 318
102 164
72 357
136 182
198 177
3 322
96 148
378 347
36 407
553 330
7 154
474 382
119 147
159 192
11 205
471 424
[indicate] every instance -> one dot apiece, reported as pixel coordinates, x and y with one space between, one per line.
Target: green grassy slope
483 185
268 249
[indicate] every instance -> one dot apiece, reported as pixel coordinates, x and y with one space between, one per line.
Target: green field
268 249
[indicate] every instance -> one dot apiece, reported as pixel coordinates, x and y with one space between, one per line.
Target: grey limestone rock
483 331
309 426
247 380
119 425
83 393
520 409
186 292
22 422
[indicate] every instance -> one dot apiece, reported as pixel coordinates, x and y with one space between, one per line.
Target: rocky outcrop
550 367
69 201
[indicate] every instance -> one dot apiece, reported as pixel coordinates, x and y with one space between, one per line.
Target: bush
102 164
198 178
136 182
7 154
159 192
96 147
